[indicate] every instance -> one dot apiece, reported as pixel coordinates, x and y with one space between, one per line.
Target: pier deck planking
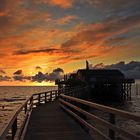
49 122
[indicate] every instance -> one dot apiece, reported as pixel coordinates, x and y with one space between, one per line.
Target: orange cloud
57 46
2 14
62 3
99 34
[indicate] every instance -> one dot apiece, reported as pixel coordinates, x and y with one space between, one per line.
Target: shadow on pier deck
50 122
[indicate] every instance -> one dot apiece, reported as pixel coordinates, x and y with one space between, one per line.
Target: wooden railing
45 97
12 122
11 128
74 106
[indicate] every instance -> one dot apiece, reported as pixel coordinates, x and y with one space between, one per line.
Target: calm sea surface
12 97
132 106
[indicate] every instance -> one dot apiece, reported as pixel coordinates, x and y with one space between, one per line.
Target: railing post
50 96
56 94
31 99
25 108
112 121
38 98
14 128
59 91
45 97
31 103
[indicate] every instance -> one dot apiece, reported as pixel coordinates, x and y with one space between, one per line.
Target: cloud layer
63 33
39 77
131 69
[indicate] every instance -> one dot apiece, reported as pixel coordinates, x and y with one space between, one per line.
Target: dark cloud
58 70
3 20
7 4
2 72
4 23
22 52
7 20
109 32
71 42
18 76
88 35
18 72
56 74
39 77
4 78
38 68
113 4
131 69
83 57
3 5
104 31
21 78
116 41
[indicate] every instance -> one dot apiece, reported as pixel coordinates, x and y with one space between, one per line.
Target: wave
12 99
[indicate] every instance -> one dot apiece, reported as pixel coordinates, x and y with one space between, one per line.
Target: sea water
11 97
132 106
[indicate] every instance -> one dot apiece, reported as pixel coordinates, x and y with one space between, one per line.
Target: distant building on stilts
104 84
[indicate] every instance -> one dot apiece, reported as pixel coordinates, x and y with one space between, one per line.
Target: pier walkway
50 122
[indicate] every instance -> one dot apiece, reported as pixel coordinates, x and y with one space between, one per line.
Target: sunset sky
39 39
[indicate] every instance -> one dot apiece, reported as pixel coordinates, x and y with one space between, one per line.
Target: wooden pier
53 124
54 116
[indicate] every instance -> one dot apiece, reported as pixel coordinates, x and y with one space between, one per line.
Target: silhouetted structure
103 84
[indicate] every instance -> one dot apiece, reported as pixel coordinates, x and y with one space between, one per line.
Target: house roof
101 72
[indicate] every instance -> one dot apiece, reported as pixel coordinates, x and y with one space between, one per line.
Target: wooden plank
49 122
